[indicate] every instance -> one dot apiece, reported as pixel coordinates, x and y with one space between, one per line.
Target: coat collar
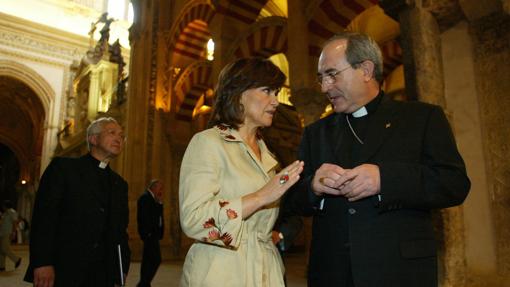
381 124
227 133
267 162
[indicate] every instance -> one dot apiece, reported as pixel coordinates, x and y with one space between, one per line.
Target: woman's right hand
273 190
281 182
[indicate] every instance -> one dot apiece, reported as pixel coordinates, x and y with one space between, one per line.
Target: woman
228 191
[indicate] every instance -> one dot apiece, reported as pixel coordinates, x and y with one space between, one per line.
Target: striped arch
265 38
189 35
192 42
190 86
392 56
244 11
330 17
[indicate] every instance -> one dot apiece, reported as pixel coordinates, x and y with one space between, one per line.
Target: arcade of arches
454 53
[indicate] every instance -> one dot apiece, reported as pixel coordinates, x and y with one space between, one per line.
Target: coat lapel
381 125
332 136
338 136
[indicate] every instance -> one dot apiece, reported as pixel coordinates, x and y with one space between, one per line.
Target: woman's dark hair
234 79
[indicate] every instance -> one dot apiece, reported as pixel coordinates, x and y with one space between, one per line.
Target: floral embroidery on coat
216 228
226 132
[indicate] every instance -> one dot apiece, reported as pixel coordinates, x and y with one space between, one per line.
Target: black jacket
73 218
388 242
149 217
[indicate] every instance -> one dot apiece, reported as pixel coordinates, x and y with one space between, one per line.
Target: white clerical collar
361 112
152 194
103 163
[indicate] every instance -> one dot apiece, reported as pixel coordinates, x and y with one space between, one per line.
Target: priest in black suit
150 229
78 236
374 170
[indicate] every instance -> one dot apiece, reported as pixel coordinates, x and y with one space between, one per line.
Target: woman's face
259 106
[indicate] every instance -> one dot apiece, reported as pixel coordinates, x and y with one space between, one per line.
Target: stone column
423 66
309 102
506 6
491 35
424 78
178 134
139 140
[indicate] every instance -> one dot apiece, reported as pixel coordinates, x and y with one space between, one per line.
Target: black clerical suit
79 221
150 229
386 239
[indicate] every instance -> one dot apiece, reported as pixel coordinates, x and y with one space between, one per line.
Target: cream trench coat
218 169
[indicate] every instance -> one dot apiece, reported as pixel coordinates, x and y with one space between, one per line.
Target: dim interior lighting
23 181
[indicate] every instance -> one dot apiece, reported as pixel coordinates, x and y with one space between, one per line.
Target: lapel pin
388 125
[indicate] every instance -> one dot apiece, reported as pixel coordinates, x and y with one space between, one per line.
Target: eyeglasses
329 78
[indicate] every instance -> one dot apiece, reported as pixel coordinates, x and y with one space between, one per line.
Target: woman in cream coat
228 190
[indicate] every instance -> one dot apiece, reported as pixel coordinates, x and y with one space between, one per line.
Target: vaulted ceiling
21 120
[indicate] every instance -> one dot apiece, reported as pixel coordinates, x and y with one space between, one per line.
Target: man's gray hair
153 183
361 47
96 127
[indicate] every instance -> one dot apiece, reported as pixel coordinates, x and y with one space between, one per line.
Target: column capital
393 8
506 6
309 103
475 10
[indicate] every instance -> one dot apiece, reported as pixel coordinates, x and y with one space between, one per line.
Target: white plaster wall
462 102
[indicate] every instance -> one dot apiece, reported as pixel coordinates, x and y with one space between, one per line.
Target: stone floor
168 274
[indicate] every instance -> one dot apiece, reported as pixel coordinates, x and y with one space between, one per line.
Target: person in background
8 223
150 229
286 228
375 169
78 236
228 190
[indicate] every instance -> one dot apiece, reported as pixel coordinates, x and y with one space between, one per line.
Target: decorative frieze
25 42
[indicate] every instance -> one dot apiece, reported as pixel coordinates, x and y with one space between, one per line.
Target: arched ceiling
21 119
244 11
328 17
331 16
192 41
190 86
384 30
266 37
189 35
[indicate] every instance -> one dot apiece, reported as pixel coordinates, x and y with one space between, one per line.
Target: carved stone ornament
310 103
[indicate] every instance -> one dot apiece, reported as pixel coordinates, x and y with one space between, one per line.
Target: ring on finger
284 178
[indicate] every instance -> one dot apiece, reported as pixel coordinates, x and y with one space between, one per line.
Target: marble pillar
491 43
309 102
423 72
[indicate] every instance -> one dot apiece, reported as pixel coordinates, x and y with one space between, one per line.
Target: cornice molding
27 43
33 58
29 36
26 35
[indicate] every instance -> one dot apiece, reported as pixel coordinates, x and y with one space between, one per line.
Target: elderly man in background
81 215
